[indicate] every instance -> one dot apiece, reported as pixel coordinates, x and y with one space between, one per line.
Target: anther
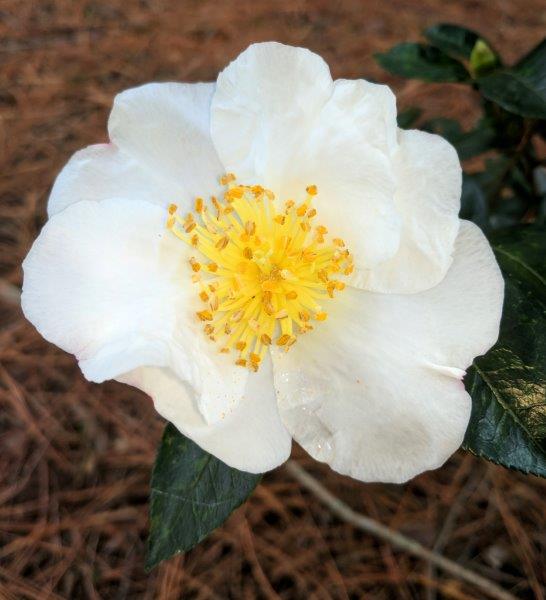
194 265
283 339
271 279
227 178
222 242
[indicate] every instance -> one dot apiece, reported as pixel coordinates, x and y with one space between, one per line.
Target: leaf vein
520 262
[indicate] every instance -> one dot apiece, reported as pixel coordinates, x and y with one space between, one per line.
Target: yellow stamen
264 272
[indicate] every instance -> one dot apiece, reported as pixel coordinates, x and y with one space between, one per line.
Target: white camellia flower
269 257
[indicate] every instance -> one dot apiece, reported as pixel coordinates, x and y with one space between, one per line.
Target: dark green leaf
520 89
419 61
492 177
508 384
510 128
477 140
192 494
467 143
539 178
533 66
508 212
452 39
407 117
448 128
474 202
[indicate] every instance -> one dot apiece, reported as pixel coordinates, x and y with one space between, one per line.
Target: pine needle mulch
75 458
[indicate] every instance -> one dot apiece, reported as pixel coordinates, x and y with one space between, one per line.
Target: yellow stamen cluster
262 269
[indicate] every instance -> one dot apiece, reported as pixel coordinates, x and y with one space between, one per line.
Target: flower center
262 270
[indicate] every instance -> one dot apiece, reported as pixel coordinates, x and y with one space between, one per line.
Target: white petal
428 191
370 108
107 282
376 390
264 103
161 151
165 127
278 119
347 153
250 437
102 171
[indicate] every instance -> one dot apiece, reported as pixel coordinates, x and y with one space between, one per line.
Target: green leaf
539 178
482 59
510 128
508 213
492 177
407 118
520 89
419 61
192 494
474 202
480 139
452 39
448 128
508 384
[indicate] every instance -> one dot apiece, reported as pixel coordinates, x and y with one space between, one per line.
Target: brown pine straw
75 458
395 539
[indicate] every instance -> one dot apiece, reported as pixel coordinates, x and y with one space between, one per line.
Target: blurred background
75 458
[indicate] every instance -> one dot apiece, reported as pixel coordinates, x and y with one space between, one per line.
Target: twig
450 520
394 538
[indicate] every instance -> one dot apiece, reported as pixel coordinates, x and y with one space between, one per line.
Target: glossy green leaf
520 89
419 61
192 494
508 384
452 39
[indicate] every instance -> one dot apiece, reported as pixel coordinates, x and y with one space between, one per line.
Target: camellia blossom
270 258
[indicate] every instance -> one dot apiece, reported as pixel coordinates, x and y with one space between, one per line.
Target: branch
395 539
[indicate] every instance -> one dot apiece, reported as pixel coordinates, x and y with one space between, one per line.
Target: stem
394 538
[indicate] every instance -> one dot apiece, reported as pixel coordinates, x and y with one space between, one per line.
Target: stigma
263 269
